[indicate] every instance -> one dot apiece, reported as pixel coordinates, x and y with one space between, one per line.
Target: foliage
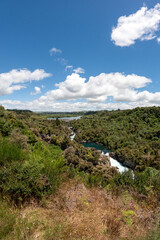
36 156
146 182
7 220
10 152
53 163
22 181
128 217
29 167
18 138
134 135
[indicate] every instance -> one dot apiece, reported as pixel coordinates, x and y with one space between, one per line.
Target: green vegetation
133 135
61 114
7 220
29 166
52 187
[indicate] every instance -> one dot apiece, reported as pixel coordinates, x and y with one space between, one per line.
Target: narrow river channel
105 151
114 162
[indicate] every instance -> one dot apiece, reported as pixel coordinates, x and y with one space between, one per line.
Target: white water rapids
114 162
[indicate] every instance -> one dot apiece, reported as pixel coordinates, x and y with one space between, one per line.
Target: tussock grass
77 212
7 220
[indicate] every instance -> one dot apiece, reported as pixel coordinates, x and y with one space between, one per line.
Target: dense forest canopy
134 135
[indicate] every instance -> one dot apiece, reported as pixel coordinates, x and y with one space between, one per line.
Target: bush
18 138
31 137
20 182
94 180
5 127
53 162
125 178
148 181
10 152
63 141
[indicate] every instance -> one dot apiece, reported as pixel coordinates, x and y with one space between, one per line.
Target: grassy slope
77 212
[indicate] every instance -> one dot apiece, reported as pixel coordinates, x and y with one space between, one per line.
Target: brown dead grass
90 214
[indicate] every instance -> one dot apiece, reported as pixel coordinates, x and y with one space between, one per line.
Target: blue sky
71 55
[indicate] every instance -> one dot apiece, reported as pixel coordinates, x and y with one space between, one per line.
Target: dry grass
90 214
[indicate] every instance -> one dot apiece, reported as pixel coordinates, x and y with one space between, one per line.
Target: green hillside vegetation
54 188
35 152
133 135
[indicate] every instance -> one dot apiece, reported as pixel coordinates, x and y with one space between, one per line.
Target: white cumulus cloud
72 106
15 79
158 39
105 91
37 91
98 88
141 25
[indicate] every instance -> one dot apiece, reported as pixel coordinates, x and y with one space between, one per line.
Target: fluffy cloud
54 51
158 39
141 25
79 70
119 86
105 91
71 106
37 91
15 79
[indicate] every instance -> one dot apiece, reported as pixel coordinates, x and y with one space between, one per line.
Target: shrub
19 182
63 141
5 127
147 181
31 137
10 152
53 162
125 178
94 180
18 138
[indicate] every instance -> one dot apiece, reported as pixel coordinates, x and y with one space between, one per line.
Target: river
105 151
66 118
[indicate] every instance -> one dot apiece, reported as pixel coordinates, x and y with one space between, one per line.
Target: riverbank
133 135
104 151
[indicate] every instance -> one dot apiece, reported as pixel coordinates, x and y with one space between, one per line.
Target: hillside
133 135
54 188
